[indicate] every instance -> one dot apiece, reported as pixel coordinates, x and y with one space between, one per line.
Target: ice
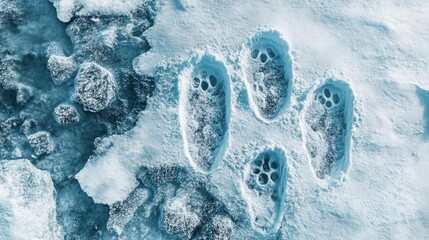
94 87
177 219
27 202
66 114
39 119
61 68
41 143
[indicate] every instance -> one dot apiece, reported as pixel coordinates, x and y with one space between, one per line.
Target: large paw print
269 75
204 116
328 120
205 110
265 179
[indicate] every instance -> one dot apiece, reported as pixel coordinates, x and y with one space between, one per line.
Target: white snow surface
27 202
379 48
66 9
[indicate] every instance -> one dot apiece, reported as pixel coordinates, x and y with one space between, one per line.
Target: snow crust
377 48
27 202
66 9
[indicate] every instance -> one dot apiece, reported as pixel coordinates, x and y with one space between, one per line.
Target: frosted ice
41 143
27 202
61 68
66 114
94 87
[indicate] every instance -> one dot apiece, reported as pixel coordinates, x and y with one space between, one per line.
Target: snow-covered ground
376 48
272 120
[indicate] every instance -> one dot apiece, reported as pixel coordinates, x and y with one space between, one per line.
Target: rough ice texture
41 143
36 52
66 114
61 68
27 202
94 87
379 49
178 219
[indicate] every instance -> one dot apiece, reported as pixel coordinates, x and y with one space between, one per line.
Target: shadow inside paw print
268 74
328 120
265 181
204 114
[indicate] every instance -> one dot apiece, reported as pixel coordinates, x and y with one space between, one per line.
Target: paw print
217 125
268 77
204 114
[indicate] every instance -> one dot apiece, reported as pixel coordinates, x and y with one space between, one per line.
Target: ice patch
107 188
61 68
94 87
41 143
423 95
27 202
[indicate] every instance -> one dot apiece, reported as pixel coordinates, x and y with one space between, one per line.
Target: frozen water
41 143
27 202
66 114
94 87
39 61
66 9
61 68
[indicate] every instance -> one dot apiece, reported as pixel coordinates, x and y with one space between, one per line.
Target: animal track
268 74
204 114
265 180
328 121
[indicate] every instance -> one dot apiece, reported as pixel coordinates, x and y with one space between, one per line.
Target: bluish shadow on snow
5 218
424 100
204 111
328 122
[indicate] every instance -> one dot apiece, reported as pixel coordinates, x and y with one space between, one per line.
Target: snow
66 9
27 202
377 48
66 114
